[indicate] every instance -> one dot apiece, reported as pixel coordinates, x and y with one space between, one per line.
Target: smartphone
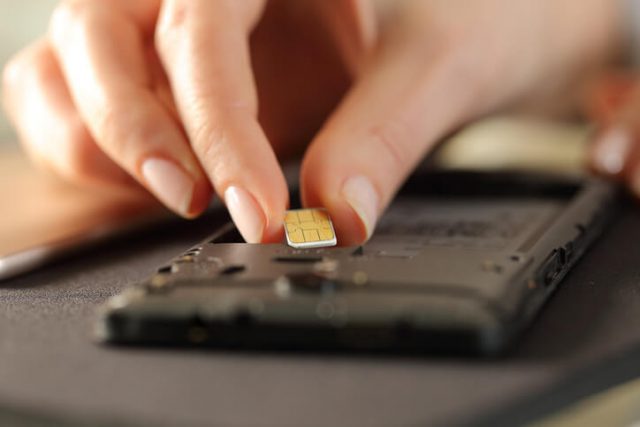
461 262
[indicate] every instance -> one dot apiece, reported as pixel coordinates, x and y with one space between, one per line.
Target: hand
438 64
435 65
165 93
615 107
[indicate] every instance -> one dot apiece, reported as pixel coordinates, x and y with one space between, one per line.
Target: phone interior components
460 262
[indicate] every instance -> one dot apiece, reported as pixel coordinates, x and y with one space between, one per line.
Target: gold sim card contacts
309 228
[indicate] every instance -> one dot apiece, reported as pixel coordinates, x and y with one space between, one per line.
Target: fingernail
246 213
169 183
612 150
363 198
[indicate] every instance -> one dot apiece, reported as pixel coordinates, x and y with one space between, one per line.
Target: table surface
50 364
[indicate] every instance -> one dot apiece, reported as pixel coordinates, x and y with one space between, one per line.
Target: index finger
103 54
204 47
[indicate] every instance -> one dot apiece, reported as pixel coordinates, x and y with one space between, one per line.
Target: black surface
49 362
606 374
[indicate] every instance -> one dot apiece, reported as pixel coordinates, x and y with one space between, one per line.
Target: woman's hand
436 65
166 90
615 107
166 93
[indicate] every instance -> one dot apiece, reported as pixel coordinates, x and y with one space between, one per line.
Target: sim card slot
297 259
553 268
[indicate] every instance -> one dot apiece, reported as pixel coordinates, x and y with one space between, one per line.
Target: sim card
309 228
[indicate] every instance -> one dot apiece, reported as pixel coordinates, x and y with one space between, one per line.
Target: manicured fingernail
169 183
612 151
246 214
363 198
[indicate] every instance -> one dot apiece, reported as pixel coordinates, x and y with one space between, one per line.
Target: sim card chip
309 228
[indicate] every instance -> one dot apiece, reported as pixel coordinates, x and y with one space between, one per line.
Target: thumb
402 104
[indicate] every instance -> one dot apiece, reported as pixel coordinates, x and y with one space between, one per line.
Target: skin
225 90
614 104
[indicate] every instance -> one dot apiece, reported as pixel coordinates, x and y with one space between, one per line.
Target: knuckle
175 16
69 144
115 127
178 32
22 66
435 38
207 141
42 69
125 135
67 150
392 140
171 24
12 73
180 18
215 127
68 15
79 157
31 69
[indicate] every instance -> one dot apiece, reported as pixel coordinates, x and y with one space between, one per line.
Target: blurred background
21 21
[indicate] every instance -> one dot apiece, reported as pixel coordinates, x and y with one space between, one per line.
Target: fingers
204 48
40 106
102 52
352 23
391 118
607 95
616 150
